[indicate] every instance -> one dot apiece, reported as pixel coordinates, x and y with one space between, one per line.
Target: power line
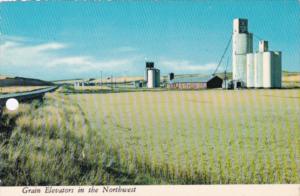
227 46
226 66
257 37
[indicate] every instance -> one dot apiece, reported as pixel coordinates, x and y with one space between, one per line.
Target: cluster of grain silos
264 68
261 69
152 75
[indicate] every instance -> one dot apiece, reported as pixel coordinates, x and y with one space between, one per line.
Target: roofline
188 82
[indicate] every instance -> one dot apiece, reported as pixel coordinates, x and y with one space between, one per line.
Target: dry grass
120 79
84 88
51 143
291 81
42 149
292 78
17 89
105 80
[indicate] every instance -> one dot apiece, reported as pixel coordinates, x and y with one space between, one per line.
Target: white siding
258 70
267 66
242 44
151 78
263 46
250 70
267 70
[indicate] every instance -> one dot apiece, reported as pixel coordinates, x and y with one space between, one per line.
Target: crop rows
203 136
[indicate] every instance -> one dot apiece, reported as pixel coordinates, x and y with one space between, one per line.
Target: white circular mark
12 104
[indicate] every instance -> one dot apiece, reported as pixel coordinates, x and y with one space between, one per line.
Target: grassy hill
104 80
290 79
21 81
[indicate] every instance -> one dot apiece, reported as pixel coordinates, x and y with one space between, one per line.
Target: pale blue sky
54 40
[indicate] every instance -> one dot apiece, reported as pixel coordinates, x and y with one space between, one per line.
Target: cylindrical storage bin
151 78
250 70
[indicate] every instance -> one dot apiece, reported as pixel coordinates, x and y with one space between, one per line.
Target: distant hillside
291 79
289 73
104 80
20 81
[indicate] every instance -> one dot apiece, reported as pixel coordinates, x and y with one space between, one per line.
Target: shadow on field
6 126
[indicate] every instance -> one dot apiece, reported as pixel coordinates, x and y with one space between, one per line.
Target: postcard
150 97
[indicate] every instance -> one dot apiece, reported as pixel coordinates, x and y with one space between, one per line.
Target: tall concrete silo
242 43
250 70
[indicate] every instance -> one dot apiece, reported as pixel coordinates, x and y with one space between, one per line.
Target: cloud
72 60
185 65
88 64
13 38
47 58
49 46
19 55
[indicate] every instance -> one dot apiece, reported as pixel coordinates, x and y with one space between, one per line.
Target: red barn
196 82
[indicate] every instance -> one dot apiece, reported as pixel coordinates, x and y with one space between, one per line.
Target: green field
178 137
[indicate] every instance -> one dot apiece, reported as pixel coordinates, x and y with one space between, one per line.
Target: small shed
139 83
196 82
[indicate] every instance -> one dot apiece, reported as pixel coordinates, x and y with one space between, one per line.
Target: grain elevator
242 44
152 75
261 69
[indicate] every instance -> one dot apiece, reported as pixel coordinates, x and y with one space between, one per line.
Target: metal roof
192 79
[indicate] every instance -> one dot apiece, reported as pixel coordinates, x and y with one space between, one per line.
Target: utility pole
225 74
101 78
111 78
125 75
